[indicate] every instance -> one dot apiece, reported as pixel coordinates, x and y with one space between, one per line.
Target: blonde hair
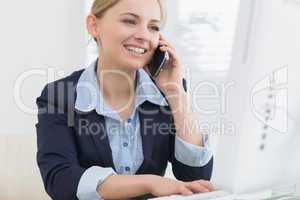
99 7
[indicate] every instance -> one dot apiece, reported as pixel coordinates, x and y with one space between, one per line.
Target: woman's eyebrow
137 16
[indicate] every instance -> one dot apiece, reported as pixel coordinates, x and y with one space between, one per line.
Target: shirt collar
89 95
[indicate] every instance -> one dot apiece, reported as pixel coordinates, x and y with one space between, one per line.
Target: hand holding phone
158 61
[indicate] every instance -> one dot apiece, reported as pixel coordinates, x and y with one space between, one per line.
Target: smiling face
128 33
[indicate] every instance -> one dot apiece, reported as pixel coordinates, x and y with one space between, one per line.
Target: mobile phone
158 61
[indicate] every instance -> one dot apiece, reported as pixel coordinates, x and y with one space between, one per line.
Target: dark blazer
69 141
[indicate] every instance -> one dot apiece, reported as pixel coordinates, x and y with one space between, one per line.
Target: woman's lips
133 54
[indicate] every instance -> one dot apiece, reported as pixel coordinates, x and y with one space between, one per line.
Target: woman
108 131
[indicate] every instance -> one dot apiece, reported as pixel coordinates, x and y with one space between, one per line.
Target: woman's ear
91 25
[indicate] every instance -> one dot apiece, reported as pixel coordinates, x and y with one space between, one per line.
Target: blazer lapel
148 115
97 130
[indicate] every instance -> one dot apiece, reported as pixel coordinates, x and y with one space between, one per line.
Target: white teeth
136 50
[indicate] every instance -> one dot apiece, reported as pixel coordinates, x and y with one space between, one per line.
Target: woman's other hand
160 186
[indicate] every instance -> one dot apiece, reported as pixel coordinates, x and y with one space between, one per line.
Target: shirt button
127 169
125 144
129 120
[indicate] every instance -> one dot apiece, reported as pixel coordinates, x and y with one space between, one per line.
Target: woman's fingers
206 184
166 46
200 186
196 187
173 56
163 39
165 43
185 191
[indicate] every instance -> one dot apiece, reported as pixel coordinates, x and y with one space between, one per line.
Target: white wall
36 34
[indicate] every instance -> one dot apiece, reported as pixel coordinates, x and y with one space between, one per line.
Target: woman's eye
155 28
129 21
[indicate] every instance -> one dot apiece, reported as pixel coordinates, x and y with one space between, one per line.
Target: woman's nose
143 34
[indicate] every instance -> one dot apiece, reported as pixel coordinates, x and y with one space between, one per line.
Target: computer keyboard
216 195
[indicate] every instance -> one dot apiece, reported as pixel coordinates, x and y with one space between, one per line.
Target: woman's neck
116 83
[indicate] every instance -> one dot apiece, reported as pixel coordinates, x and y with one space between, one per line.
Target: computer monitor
263 103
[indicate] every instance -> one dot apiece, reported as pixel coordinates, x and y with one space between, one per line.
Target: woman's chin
135 66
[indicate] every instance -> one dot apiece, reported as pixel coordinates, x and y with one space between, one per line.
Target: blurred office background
42 41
